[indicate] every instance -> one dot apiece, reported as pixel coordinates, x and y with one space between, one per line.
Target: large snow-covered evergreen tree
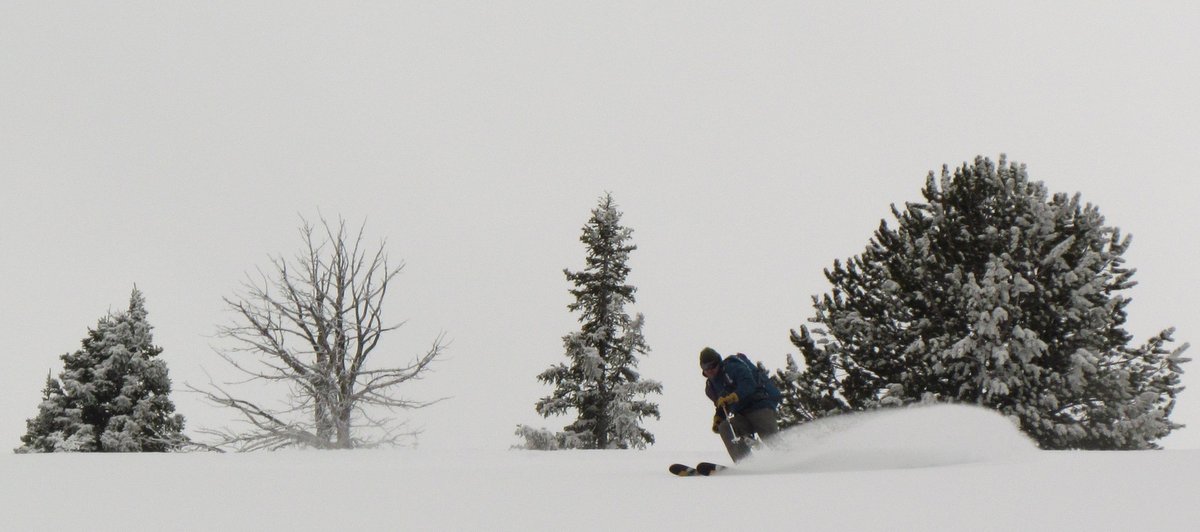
601 383
995 293
113 394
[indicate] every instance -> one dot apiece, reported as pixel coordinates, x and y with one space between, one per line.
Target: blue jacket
737 376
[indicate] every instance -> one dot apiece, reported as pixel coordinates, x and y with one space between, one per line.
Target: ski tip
703 469
709 468
681 470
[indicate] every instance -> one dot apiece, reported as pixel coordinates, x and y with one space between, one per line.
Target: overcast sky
175 145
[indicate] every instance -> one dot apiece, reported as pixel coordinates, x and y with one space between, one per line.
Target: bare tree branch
313 324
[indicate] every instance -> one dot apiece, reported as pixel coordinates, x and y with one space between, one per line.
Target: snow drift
898 469
901 438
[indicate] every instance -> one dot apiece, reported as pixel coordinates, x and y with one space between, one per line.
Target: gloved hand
727 400
717 419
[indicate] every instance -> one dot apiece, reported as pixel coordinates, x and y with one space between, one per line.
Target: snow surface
927 468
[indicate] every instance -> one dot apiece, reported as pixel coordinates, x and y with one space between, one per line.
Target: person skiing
745 401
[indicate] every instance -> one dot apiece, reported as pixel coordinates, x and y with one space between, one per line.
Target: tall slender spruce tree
601 383
992 292
112 395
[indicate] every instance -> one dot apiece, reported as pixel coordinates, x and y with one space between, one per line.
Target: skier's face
711 372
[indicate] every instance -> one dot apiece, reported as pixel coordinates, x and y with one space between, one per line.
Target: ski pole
749 439
729 419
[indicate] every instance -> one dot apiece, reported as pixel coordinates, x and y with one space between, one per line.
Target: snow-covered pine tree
805 395
113 396
991 292
792 411
43 432
601 382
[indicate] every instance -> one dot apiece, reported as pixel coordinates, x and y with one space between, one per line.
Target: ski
708 468
703 469
683 470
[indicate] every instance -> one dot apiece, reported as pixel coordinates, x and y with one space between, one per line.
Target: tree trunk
343 429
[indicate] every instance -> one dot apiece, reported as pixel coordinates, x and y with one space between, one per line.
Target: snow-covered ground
930 468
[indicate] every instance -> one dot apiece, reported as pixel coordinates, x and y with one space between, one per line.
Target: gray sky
175 144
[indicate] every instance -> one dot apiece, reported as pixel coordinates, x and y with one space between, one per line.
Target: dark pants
737 432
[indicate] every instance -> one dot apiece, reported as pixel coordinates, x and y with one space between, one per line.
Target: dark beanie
709 357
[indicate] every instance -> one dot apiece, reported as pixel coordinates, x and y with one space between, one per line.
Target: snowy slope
939 468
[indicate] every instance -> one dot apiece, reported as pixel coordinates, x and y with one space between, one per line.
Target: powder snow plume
898 438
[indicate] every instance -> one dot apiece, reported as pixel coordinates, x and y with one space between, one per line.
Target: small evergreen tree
601 382
992 292
113 396
792 411
43 432
536 439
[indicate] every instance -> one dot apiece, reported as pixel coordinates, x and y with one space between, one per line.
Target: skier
745 401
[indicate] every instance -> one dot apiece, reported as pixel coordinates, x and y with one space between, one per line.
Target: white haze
172 145
929 468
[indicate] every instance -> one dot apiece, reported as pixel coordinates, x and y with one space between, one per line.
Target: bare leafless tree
311 324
